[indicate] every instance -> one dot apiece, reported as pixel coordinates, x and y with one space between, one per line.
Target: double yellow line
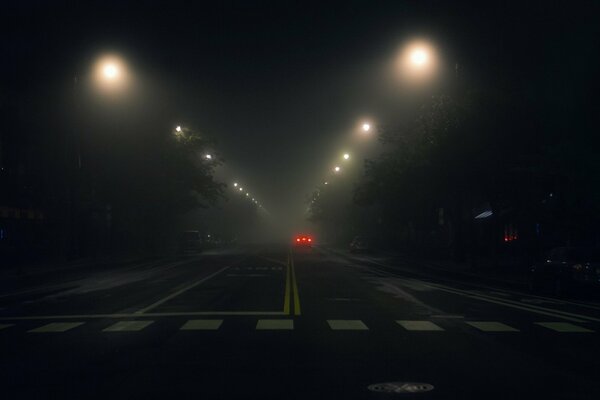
291 288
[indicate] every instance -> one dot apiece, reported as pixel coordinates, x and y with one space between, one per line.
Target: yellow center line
295 288
286 299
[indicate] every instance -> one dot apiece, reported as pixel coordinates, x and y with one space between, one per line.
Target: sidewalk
22 272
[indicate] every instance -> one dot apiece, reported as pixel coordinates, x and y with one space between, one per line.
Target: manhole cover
401 387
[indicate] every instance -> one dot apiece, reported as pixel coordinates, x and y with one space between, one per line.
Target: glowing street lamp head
208 156
241 189
418 61
346 156
419 57
326 183
110 71
337 169
235 184
178 129
366 127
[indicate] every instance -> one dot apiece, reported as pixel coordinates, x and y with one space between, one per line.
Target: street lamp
366 127
337 169
418 60
208 157
178 128
235 184
241 189
111 73
346 156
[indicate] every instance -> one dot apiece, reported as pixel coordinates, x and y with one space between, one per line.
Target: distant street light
235 184
346 156
241 189
178 129
326 183
247 194
337 169
366 127
208 157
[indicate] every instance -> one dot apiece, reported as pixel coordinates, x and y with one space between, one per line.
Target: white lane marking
180 291
202 325
127 326
134 315
491 326
564 327
342 299
490 288
56 327
4 326
512 304
419 326
275 324
347 325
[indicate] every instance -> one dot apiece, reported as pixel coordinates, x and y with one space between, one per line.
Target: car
565 269
360 244
303 241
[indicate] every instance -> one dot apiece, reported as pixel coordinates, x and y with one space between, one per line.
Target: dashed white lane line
4 326
128 326
491 326
564 327
420 326
275 324
56 327
202 325
347 325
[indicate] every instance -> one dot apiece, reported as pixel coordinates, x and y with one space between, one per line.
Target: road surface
273 322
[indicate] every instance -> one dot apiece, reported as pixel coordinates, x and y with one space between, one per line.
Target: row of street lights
239 188
180 132
365 129
417 62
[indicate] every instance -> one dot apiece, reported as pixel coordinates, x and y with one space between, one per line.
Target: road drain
401 387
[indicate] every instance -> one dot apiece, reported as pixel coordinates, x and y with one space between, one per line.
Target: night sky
281 85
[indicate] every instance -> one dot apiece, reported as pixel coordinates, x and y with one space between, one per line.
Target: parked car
566 268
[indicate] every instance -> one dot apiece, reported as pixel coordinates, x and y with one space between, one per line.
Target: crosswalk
278 324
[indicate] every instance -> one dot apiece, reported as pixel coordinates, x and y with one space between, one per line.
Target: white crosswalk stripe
491 326
202 325
128 326
56 327
275 324
289 324
347 325
564 327
419 326
4 326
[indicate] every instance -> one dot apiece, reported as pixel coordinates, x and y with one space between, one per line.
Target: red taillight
297 239
309 239
304 239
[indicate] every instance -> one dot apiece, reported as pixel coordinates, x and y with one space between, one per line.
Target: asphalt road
270 322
